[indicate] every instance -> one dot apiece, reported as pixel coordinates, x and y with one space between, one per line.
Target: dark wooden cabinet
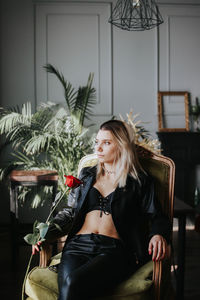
184 149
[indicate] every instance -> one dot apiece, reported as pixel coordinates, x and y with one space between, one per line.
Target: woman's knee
70 287
73 282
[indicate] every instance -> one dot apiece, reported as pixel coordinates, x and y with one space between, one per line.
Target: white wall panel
135 76
179 49
76 38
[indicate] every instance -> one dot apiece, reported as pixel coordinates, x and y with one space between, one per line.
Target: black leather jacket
134 210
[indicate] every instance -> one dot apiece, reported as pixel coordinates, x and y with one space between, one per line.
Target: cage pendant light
136 15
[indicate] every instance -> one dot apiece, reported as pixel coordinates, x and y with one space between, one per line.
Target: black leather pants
91 265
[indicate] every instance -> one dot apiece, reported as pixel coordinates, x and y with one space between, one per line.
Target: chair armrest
52 236
157 273
46 251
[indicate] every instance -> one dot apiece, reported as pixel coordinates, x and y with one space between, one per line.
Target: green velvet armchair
151 281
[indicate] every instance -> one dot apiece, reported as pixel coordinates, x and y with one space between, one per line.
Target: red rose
72 181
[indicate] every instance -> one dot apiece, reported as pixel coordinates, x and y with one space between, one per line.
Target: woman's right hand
36 247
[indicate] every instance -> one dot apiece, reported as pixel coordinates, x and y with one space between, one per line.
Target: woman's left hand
157 247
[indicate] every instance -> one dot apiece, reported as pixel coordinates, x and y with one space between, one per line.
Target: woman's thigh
81 275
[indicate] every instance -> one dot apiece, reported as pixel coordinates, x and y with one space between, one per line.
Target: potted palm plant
52 138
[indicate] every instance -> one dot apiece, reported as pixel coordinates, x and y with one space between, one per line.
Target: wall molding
93 15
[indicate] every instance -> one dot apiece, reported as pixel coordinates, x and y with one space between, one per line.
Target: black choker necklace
108 172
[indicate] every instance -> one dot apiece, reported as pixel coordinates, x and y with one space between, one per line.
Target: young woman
107 240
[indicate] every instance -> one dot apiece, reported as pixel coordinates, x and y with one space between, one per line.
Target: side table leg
55 185
14 230
181 257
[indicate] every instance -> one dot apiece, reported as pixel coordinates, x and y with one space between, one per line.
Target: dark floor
11 282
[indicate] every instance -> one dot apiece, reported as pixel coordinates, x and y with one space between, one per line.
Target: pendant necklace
108 172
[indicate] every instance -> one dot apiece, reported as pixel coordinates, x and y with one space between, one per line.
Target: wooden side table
26 178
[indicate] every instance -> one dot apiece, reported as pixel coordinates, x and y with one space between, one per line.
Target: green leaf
31 238
43 228
35 227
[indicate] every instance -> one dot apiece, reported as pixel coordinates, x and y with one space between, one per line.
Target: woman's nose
99 148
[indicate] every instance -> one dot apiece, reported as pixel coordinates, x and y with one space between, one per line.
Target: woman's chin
101 158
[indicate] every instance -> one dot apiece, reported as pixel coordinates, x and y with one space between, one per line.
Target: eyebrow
104 140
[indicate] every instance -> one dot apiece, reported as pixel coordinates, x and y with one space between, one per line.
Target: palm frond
44 115
10 119
70 94
19 135
41 142
85 101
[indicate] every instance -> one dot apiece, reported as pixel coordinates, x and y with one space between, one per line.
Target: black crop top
95 201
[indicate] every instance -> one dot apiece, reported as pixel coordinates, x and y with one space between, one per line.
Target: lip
100 155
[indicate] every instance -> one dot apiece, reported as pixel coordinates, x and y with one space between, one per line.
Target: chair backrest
161 168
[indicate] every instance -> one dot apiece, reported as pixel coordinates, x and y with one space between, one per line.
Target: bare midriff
94 224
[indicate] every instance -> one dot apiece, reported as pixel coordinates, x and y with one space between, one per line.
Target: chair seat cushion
42 284
139 282
55 259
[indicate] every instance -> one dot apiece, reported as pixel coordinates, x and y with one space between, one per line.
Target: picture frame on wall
173 111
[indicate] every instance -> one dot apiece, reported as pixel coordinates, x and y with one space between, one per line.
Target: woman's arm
60 227
61 223
160 223
63 219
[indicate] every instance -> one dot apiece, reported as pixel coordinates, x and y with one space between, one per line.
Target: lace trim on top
95 201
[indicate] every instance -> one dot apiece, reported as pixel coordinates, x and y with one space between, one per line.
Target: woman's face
105 147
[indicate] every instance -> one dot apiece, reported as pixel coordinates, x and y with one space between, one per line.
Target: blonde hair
126 157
